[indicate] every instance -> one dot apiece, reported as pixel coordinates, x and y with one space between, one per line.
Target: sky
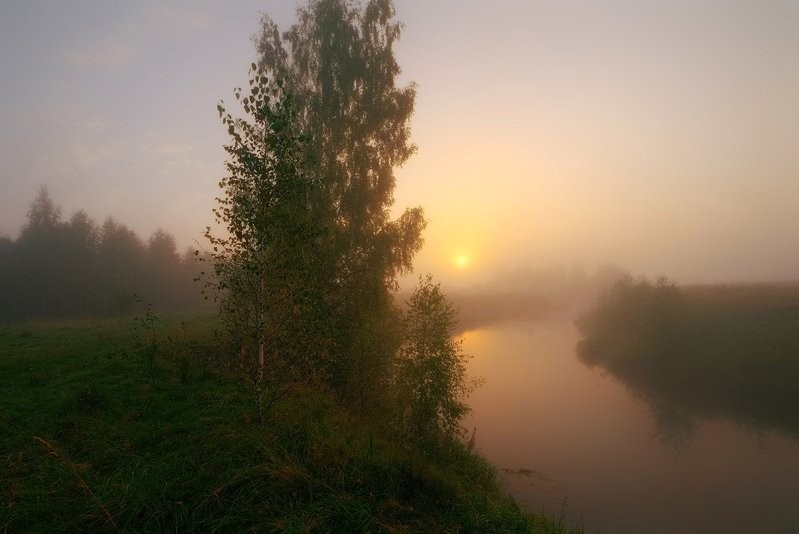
661 136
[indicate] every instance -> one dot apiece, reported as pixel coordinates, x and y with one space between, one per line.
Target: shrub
430 372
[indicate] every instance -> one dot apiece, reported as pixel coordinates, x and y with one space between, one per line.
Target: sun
462 261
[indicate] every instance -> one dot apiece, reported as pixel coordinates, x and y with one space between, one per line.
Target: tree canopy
338 63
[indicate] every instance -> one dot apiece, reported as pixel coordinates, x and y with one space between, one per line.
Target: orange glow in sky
587 134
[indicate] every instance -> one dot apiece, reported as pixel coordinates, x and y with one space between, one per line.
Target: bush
430 372
633 318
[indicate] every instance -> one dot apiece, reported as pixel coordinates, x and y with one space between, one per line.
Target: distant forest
71 268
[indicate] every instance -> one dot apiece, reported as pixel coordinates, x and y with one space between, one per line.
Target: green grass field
96 436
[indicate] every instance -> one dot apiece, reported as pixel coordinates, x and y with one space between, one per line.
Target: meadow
106 426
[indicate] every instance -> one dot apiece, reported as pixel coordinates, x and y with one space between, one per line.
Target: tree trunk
259 377
259 380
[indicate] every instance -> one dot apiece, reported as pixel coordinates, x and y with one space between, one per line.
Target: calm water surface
572 440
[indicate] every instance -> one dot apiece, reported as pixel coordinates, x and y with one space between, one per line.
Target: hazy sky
662 136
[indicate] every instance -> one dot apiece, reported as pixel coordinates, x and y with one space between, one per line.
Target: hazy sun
461 261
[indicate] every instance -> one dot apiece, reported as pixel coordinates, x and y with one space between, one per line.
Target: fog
661 137
610 192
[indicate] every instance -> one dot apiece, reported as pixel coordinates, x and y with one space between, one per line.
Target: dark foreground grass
95 438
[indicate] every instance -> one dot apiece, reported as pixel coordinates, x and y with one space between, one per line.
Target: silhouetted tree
122 261
74 268
7 278
163 264
44 217
38 265
80 264
338 62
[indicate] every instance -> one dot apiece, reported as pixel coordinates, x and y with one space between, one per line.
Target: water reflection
571 439
758 395
700 353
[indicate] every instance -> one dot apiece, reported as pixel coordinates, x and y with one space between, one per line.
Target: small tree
265 264
430 375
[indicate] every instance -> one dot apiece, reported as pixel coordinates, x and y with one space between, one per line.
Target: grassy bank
95 435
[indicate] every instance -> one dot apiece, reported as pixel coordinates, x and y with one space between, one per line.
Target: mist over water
559 145
577 441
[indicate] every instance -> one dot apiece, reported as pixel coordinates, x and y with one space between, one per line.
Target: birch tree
338 61
265 263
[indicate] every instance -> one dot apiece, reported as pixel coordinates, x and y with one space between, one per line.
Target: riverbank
702 351
96 435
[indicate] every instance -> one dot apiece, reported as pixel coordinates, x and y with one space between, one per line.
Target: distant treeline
70 268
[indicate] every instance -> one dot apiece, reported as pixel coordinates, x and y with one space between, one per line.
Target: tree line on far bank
59 268
700 352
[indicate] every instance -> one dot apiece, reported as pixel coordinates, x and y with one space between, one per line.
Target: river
573 441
